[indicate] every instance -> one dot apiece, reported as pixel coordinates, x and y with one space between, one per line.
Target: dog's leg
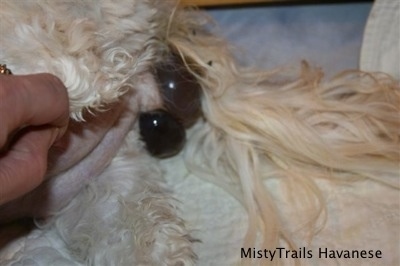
126 217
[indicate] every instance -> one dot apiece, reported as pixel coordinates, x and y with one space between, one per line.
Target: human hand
34 113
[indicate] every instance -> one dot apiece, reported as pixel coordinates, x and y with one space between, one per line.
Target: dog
131 65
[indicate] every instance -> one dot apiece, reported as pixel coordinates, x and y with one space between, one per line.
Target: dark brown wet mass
163 131
163 135
180 90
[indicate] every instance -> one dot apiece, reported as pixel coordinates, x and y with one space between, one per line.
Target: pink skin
69 150
82 154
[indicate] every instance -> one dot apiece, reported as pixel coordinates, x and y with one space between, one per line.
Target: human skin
34 114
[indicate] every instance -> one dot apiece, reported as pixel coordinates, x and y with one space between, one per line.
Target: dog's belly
81 155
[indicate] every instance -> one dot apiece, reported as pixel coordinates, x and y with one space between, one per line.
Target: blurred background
327 34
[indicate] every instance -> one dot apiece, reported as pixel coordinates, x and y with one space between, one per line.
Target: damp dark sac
180 90
163 135
163 130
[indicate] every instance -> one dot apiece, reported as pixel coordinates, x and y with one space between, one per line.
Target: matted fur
289 124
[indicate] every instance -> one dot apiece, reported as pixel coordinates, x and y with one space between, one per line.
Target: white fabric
381 47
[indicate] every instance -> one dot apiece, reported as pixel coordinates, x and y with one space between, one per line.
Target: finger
38 99
23 167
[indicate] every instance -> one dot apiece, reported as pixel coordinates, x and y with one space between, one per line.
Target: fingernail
54 136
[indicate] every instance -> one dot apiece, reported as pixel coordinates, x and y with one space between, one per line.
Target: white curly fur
290 124
100 50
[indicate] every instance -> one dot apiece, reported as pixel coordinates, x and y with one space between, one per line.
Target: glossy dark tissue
180 90
163 135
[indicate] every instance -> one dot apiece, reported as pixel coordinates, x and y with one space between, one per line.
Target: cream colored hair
289 124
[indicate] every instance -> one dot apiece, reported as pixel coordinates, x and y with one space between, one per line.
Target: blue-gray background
327 35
